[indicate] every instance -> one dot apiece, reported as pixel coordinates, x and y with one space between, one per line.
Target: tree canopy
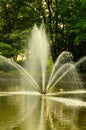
65 22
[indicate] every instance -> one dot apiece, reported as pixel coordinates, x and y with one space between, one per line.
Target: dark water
40 112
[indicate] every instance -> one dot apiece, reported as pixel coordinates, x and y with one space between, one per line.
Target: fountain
37 65
64 71
40 79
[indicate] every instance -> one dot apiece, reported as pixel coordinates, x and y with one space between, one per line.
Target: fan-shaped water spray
37 65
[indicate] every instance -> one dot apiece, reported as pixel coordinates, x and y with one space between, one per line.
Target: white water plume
59 74
18 93
21 70
67 92
38 56
69 102
63 58
65 69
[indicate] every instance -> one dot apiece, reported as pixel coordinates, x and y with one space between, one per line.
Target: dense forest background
65 23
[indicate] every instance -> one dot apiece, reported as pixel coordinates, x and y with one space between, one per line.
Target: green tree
16 20
65 22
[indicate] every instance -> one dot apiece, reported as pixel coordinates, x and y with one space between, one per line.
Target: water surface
40 112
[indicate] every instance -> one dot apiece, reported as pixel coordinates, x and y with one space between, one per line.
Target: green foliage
50 64
6 49
16 21
65 22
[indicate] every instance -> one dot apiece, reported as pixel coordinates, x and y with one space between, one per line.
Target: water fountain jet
37 65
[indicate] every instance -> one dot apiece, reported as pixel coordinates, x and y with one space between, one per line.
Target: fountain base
43 92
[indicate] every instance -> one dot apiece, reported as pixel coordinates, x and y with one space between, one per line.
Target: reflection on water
14 109
27 112
63 117
40 112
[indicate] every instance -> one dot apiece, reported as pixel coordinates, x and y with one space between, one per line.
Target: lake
39 112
